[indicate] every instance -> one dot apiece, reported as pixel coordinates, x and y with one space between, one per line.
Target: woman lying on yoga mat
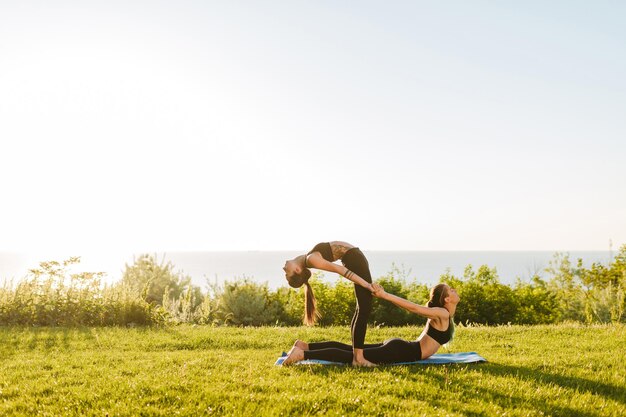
438 331
355 268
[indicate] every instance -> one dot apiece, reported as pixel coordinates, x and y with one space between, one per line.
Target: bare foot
363 362
295 355
302 345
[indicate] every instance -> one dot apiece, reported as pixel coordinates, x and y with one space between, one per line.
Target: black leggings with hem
356 262
391 351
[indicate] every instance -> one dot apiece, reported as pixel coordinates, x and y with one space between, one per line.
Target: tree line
152 292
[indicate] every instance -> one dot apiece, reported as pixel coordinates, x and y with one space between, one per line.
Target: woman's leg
330 354
333 351
355 261
394 351
338 345
361 315
328 351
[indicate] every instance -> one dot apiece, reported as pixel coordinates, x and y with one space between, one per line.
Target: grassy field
566 370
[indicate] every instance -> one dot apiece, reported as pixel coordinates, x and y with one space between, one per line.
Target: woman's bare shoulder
442 321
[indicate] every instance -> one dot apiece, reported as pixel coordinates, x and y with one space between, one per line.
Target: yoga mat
441 358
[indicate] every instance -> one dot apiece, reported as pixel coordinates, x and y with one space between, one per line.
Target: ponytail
310 306
437 295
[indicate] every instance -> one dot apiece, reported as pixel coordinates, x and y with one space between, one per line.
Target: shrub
483 299
152 293
154 281
536 303
244 302
52 296
395 282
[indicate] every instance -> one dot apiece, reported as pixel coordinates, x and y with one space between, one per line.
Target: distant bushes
594 295
153 293
572 293
51 296
485 300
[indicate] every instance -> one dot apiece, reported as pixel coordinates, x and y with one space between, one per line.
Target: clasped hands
377 290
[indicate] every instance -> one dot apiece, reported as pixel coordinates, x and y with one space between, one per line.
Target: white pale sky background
405 125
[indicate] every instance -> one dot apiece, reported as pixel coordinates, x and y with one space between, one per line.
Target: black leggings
391 351
356 262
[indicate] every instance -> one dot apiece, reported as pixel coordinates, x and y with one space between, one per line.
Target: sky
137 126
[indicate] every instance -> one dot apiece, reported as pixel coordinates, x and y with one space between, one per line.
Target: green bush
484 300
396 282
336 301
536 304
292 302
245 302
595 294
152 293
52 296
154 281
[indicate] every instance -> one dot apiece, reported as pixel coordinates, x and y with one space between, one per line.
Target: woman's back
431 338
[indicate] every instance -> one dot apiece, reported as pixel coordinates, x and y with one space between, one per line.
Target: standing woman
355 268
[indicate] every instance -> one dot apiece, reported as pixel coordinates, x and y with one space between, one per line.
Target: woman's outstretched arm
428 312
316 261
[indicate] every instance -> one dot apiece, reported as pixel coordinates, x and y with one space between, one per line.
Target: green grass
566 370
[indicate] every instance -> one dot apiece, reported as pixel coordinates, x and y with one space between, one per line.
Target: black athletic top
440 337
325 250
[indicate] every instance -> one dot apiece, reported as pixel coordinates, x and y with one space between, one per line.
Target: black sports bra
325 249
440 337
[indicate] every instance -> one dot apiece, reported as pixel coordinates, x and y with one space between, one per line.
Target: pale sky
203 125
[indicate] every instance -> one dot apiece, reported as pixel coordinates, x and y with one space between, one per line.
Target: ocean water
261 266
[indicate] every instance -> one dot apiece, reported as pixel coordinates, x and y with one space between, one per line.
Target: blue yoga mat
461 357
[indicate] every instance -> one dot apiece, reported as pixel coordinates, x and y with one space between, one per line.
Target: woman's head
297 274
442 294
